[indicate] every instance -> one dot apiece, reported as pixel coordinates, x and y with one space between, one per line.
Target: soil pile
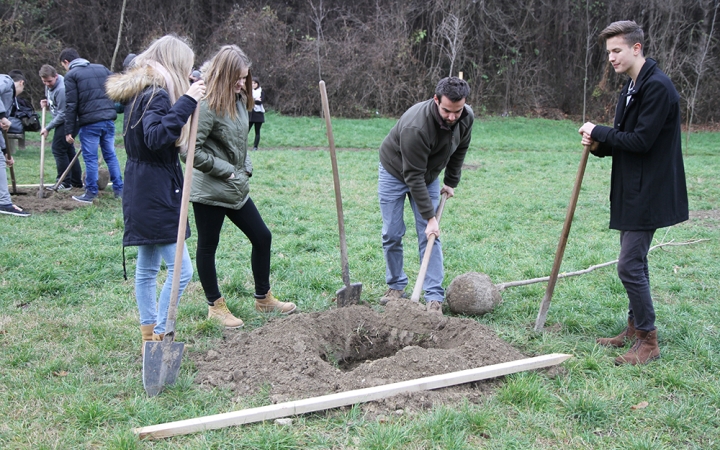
314 354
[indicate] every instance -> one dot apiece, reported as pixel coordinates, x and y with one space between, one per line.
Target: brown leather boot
271 304
221 312
147 335
627 335
645 349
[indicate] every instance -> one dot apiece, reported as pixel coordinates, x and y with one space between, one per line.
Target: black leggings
209 221
257 132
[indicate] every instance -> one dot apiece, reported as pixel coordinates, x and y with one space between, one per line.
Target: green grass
71 372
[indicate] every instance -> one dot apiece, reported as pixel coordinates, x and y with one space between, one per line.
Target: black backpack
23 110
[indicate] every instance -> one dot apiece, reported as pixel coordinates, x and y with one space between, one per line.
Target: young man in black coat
648 188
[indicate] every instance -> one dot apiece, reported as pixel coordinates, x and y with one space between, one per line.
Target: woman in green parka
220 185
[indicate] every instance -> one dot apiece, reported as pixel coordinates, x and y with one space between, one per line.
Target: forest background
520 57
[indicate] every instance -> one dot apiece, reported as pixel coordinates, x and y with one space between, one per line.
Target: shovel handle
67 170
12 170
428 252
182 226
336 184
545 305
41 189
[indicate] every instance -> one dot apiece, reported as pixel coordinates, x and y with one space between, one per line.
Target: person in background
63 151
10 86
431 136
221 183
257 115
159 102
95 114
647 182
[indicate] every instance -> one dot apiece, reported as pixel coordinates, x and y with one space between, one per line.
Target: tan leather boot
645 349
628 335
271 304
221 312
158 337
147 335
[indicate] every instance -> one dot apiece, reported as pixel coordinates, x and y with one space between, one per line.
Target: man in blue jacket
63 151
89 106
648 188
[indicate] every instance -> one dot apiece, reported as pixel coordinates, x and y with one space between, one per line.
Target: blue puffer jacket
85 98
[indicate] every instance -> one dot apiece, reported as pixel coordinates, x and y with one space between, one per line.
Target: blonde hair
220 75
175 55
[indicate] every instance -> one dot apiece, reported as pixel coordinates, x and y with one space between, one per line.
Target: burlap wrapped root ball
102 180
472 294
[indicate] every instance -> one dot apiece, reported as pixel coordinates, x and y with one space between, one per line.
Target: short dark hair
628 29
69 54
47 71
17 75
454 88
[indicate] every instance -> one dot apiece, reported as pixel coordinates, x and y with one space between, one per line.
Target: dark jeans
209 221
64 153
633 272
257 132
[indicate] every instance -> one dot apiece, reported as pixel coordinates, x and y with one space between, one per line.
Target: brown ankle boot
645 349
271 304
221 312
147 335
627 335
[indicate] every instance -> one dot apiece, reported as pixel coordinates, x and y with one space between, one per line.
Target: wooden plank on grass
344 398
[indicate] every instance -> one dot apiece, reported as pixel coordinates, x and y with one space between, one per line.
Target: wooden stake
344 398
460 75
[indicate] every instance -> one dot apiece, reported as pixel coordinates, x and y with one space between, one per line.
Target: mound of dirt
27 199
314 354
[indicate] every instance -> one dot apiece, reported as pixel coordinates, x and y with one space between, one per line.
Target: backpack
23 110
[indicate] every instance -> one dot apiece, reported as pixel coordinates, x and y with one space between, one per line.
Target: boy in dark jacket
648 188
87 103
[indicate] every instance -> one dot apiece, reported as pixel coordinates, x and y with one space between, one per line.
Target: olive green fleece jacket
420 146
221 151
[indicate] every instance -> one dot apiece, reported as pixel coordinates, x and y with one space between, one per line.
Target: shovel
65 173
350 294
161 360
41 189
426 257
12 169
545 305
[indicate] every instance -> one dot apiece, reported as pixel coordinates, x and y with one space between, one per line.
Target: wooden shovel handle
41 189
336 183
428 252
545 305
182 226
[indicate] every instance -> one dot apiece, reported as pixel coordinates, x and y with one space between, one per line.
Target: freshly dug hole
309 355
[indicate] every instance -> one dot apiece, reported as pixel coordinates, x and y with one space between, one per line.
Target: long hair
176 56
220 74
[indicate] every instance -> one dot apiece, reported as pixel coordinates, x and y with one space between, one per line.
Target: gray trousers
392 193
4 192
633 272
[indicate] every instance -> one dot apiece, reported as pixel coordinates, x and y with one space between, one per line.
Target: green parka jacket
221 151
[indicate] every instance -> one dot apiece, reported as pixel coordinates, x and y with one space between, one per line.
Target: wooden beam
344 398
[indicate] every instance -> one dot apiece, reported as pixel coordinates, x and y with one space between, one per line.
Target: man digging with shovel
431 136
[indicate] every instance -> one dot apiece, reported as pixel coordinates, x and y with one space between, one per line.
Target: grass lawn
69 341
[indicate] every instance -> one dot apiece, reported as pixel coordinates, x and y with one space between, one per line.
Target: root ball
473 294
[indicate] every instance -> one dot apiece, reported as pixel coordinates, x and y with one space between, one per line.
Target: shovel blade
161 365
349 295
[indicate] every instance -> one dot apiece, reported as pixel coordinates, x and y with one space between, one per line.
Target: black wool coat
152 194
647 187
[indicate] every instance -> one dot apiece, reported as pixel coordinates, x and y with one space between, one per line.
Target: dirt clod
472 293
342 349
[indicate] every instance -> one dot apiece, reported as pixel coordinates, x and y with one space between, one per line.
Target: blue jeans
91 136
392 193
148 265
